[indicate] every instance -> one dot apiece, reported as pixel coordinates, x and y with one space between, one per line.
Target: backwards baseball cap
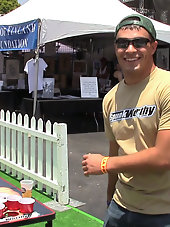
137 19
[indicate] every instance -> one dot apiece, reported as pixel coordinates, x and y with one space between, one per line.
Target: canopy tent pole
36 68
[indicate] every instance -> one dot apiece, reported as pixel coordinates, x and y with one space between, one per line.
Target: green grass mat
70 218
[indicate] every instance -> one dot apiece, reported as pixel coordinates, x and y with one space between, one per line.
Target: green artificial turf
70 218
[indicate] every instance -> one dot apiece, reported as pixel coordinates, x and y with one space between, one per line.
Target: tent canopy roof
63 19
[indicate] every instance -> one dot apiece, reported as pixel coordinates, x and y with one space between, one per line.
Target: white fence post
14 143
60 158
2 113
48 157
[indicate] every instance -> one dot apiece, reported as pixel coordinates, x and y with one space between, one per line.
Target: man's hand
91 164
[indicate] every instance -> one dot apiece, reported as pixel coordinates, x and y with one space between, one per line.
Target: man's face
135 59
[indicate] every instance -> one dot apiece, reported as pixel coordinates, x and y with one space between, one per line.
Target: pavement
89 190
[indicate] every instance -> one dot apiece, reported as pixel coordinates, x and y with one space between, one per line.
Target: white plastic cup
4 195
26 188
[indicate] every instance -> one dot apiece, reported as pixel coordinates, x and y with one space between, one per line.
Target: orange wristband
103 165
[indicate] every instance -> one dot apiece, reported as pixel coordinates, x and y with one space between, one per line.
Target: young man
137 123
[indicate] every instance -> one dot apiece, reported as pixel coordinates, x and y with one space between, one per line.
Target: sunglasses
137 42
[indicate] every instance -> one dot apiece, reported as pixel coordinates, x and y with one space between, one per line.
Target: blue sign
19 36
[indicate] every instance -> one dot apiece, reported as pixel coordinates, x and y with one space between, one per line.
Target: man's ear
154 46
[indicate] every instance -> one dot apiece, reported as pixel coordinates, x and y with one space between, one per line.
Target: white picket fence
31 150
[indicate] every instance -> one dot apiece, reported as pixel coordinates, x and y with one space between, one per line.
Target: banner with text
19 36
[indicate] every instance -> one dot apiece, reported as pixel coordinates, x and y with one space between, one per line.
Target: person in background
137 123
103 74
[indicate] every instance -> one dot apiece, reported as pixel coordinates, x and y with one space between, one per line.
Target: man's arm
112 177
154 159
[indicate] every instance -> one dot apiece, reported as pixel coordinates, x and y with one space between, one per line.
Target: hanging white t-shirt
30 70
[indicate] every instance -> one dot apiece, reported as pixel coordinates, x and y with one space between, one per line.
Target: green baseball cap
139 20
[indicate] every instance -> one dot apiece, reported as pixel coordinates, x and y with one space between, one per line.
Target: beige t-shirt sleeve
164 108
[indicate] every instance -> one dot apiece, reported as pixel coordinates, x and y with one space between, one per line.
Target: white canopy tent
64 18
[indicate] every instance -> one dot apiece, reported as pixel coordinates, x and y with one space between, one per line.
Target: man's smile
132 59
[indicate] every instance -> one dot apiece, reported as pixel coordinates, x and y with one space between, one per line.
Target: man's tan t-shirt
133 114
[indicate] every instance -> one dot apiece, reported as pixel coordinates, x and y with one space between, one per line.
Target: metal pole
36 68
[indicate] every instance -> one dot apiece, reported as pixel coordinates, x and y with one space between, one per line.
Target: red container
13 202
2 206
26 205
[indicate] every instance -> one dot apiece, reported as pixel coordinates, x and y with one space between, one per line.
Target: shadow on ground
90 190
